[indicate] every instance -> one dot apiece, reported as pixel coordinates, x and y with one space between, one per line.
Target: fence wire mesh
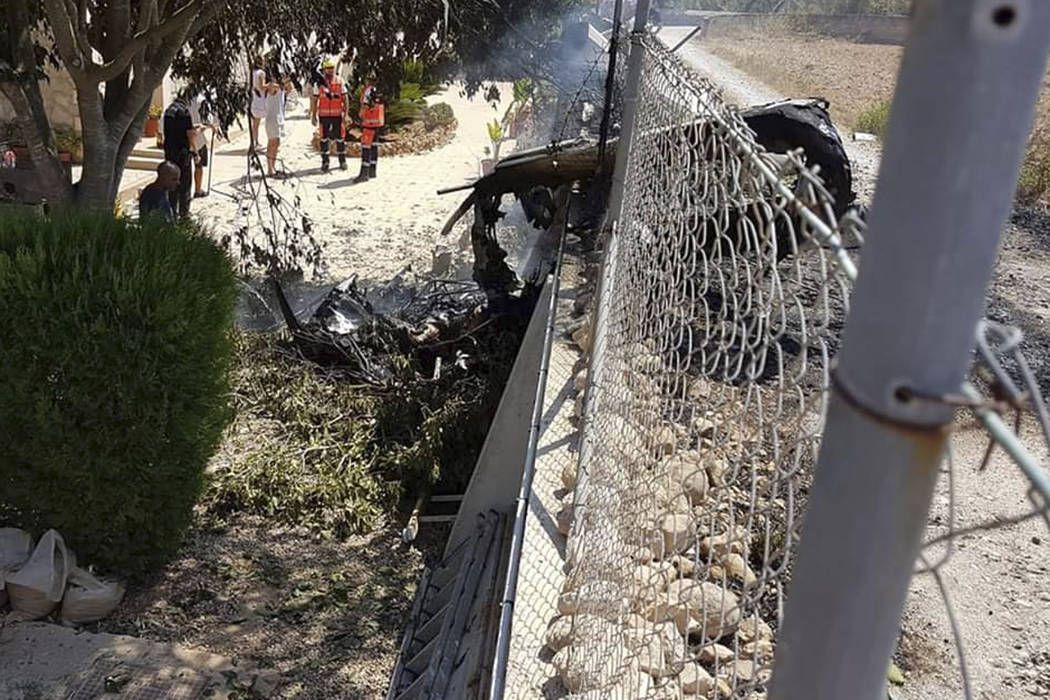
724 291
720 309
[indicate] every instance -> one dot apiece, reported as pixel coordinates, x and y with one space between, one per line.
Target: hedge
115 349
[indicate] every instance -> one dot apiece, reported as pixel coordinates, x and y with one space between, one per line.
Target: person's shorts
259 109
203 153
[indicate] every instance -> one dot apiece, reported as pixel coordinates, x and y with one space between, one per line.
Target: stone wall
60 100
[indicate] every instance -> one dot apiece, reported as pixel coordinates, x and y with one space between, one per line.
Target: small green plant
875 119
114 377
69 140
495 132
1033 184
407 107
155 112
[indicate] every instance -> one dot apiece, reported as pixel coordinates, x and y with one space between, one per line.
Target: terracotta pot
152 128
22 154
65 157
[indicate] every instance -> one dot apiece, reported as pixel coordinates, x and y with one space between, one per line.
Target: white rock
685 565
761 650
663 441
579 382
651 581
720 546
633 683
582 337
754 628
675 646
717 468
560 632
699 389
601 598
581 671
645 650
679 533
647 362
739 570
705 608
716 653
695 680
745 671
564 518
686 471
568 474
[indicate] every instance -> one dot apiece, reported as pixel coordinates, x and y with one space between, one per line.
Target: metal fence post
964 106
630 108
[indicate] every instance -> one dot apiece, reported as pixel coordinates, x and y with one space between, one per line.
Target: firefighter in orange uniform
373 118
331 104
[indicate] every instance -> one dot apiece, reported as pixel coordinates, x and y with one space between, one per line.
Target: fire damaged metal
364 328
532 175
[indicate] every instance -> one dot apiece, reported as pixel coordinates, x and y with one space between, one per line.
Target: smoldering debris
370 329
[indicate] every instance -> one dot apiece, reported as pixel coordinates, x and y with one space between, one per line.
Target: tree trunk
52 179
96 189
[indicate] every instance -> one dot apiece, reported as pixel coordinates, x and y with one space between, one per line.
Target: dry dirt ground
999 578
852 76
327 615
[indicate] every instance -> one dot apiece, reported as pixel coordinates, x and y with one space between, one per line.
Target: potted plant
152 127
495 131
70 145
518 111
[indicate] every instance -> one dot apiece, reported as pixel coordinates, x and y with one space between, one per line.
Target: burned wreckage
363 326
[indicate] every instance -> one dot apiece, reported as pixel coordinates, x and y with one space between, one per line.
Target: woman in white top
274 108
258 107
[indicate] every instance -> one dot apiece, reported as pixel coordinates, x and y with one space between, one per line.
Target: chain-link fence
660 537
721 303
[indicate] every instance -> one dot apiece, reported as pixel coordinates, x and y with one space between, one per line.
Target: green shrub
1033 183
407 107
437 115
114 371
875 119
414 71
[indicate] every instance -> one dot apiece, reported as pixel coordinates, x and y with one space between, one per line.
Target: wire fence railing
725 288
720 311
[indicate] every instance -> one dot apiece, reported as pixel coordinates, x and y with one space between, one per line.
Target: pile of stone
660 599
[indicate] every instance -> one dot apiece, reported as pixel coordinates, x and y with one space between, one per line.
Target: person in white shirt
203 119
275 100
258 107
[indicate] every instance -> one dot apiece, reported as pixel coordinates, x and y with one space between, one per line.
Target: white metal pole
964 106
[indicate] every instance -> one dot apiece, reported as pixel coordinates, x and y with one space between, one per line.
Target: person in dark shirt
180 148
153 200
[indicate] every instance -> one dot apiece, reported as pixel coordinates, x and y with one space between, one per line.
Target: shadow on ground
327 615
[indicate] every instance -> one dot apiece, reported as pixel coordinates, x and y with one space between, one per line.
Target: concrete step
147 152
143 163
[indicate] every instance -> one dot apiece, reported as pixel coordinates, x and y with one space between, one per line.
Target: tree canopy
118 51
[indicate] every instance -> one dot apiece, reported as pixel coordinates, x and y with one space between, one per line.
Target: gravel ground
326 614
998 578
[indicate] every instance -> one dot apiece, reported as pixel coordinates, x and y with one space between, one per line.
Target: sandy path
998 580
374 228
